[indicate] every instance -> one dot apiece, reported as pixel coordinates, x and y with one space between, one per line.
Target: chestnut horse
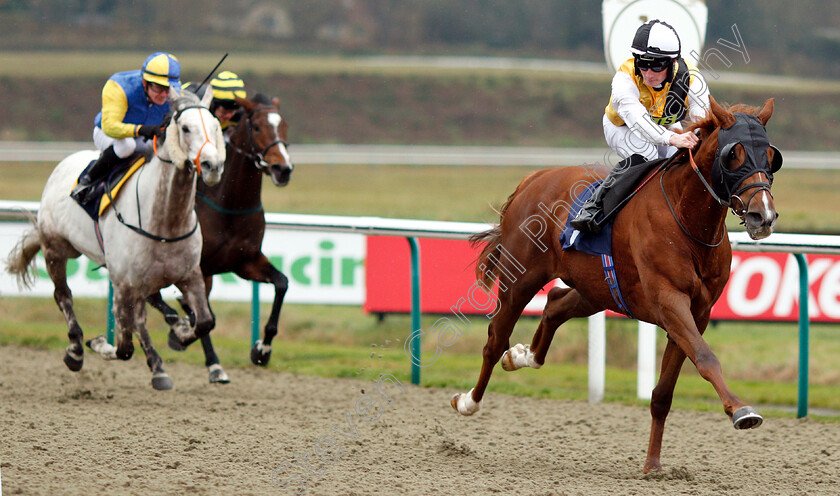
233 221
671 252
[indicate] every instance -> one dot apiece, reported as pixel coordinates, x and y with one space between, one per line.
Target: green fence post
415 308
804 320
255 313
111 322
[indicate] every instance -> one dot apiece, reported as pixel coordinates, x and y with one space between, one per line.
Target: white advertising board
323 268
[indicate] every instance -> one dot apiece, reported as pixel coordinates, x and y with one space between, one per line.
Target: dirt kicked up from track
105 431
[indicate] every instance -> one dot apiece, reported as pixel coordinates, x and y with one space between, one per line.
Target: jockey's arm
625 101
114 108
698 98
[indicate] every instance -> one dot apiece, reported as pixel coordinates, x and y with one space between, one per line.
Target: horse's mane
710 123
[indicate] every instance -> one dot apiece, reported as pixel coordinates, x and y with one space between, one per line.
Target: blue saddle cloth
593 244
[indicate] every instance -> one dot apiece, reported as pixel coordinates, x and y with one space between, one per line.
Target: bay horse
671 253
148 237
233 221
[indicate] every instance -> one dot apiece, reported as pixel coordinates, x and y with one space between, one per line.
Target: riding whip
211 73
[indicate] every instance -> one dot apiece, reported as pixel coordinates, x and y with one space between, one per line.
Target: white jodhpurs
625 142
122 147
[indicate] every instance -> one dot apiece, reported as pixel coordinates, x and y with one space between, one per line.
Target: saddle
107 188
625 186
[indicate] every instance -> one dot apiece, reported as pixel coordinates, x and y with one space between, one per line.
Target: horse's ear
723 117
173 94
276 102
766 111
248 105
207 98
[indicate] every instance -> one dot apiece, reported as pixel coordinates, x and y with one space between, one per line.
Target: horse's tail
21 260
486 269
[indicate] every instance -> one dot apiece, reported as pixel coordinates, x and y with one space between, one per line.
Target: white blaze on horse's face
761 215
275 119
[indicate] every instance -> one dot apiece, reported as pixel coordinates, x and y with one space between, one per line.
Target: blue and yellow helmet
163 69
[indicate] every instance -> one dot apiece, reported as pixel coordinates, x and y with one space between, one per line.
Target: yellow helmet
227 86
163 69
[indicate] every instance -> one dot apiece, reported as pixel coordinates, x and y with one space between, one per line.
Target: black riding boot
98 170
592 210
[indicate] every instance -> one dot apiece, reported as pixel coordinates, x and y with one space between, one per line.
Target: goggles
653 64
227 104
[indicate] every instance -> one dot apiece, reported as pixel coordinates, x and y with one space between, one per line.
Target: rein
197 163
739 212
674 213
139 229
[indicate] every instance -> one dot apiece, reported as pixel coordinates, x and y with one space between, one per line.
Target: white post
597 356
646 375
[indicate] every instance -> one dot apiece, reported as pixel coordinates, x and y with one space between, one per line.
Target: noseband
257 157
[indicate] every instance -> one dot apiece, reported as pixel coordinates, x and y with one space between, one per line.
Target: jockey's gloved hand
150 132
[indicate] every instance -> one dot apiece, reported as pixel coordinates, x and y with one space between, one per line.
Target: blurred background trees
794 38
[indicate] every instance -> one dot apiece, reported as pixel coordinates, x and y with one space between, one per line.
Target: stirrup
586 219
81 192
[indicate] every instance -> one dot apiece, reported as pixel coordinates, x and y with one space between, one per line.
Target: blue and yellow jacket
125 107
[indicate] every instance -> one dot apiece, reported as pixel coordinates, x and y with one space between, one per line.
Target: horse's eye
256 128
185 129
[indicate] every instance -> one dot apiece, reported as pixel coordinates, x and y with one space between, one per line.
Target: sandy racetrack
105 431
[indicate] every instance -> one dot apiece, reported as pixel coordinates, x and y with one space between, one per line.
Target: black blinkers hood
752 135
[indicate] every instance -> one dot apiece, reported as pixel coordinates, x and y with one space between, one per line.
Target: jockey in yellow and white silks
639 118
638 110
134 104
652 92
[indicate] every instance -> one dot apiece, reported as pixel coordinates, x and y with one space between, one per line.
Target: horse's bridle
194 165
725 181
257 157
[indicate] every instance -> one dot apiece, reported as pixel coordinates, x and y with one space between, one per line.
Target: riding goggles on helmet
644 63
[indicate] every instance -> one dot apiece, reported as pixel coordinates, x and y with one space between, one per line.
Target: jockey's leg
95 172
592 210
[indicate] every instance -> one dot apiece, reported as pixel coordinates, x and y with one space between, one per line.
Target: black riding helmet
655 43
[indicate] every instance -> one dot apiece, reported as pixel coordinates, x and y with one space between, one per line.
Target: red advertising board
762 286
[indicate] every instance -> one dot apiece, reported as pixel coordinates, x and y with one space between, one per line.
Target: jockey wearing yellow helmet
226 87
651 93
134 104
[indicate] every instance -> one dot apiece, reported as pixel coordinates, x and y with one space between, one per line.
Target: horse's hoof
175 343
73 363
260 355
746 418
161 382
507 361
125 352
464 404
218 375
